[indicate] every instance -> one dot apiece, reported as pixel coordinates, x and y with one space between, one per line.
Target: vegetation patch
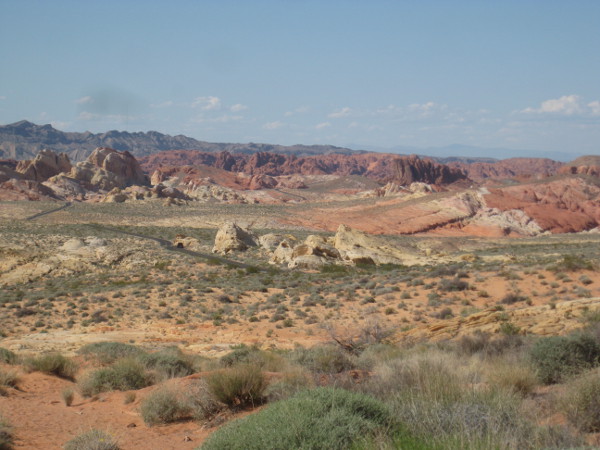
322 418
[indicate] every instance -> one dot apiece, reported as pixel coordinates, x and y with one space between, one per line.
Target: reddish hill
522 168
586 165
562 205
378 166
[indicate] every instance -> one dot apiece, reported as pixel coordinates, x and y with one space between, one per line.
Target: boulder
359 248
231 237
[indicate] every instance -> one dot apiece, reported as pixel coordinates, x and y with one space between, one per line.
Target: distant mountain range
23 140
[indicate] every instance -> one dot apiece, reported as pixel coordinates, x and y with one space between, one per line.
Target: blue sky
512 74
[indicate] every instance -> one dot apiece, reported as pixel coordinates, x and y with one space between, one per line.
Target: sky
367 74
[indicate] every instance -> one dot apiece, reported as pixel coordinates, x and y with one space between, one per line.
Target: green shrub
241 385
123 375
572 263
92 440
322 418
557 357
53 364
109 352
581 402
6 356
6 436
453 285
163 406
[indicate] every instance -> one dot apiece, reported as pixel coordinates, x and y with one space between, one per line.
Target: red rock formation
564 205
509 168
378 166
586 165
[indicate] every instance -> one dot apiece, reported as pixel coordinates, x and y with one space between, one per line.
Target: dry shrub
581 401
164 405
515 376
53 364
92 440
241 385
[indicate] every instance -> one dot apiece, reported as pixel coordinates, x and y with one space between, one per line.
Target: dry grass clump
241 385
124 375
7 357
515 376
6 437
441 397
53 364
581 401
68 395
9 378
92 440
164 405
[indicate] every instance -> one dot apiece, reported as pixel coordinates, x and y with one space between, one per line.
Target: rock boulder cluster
347 247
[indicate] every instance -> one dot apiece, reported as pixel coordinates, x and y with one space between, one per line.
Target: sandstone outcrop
540 320
46 164
231 237
106 169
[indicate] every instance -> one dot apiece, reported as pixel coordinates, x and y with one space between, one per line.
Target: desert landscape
299 225
150 303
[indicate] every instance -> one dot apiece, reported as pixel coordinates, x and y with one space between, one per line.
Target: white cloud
2 97
344 112
84 100
323 125
594 107
238 107
567 104
60 125
273 125
207 103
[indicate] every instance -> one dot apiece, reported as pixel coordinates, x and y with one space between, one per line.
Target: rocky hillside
23 140
377 166
508 168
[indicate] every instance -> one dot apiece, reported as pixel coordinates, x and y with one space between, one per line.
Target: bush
453 285
572 263
92 440
6 356
482 343
53 364
581 402
557 357
109 352
322 418
202 403
124 375
68 395
168 363
163 406
6 437
9 378
242 385
511 299
514 376
323 359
